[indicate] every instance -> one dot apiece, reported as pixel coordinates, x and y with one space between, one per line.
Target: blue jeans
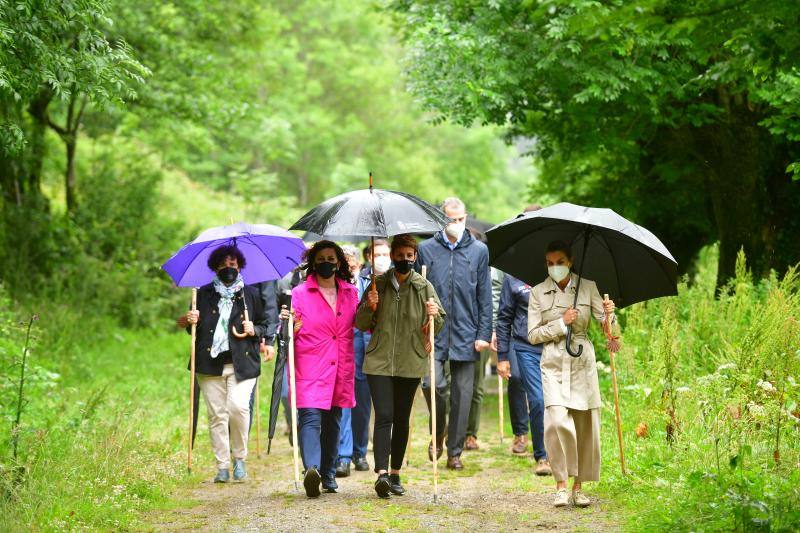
319 439
517 398
528 359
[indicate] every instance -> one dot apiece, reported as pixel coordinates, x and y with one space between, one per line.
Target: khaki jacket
397 347
567 381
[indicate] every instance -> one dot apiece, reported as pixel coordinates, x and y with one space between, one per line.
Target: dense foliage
681 115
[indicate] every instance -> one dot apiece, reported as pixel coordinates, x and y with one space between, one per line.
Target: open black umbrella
626 260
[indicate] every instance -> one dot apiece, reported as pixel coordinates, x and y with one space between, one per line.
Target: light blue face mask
558 273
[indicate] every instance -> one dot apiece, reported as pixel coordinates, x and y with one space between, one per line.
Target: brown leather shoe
454 463
543 468
439 448
520 446
471 443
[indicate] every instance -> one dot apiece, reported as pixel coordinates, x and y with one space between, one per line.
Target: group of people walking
361 341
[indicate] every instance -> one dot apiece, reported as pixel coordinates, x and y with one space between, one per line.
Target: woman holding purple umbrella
227 357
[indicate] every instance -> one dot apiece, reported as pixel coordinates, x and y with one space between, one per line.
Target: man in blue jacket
458 268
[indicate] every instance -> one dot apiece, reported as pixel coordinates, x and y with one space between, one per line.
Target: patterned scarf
225 306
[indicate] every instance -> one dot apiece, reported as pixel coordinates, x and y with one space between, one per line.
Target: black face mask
403 267
227 275
325 270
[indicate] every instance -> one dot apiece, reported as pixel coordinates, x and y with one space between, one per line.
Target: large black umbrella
626 260
372 213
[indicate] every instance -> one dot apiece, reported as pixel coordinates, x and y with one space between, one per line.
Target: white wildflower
726 366
683 389
756 409
766 386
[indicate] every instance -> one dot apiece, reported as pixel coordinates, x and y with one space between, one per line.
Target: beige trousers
228 402
572 440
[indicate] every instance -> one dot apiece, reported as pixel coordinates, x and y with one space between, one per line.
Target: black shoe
329 485
311 482
382 486
343 468
361 464
395 486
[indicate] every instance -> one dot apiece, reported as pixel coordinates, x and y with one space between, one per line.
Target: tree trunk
748 187
71 141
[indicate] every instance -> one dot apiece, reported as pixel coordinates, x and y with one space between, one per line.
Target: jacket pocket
373 342
418 344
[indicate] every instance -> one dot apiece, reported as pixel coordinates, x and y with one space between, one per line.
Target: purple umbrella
271 252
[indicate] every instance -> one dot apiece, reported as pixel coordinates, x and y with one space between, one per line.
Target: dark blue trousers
319 439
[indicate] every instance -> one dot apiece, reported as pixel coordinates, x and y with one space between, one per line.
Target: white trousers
228 402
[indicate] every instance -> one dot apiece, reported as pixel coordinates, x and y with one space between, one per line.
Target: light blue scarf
225 306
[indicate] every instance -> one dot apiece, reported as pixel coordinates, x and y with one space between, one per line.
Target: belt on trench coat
566 367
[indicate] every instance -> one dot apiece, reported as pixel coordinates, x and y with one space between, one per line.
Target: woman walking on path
570 384
325 307
227 365
397 355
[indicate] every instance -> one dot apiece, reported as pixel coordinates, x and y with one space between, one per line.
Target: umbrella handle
569 347
233 328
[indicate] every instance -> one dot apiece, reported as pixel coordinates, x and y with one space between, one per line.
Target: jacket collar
550 285
466 239
415 280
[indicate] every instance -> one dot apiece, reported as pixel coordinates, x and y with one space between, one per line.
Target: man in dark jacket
458 268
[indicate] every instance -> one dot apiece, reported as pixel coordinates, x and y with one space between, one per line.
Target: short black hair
310 257
559 246
219 255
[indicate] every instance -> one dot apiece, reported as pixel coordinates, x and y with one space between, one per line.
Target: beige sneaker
579 499
520 445
543 468
561 500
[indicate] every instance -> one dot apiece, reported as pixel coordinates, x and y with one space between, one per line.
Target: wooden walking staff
434 431
293 401
500 406
613 348
257 398
191 380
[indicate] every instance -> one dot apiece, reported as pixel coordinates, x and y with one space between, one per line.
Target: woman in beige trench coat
570 384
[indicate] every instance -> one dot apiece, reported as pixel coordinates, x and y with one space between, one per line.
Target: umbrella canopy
625 260
372 213
270 252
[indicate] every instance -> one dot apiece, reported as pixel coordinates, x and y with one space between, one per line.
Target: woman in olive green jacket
397 355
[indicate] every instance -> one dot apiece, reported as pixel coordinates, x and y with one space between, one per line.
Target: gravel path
495 492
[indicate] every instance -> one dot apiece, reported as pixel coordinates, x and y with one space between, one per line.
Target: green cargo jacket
397 347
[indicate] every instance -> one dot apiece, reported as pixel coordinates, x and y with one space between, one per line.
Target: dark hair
403 241
367 251
219 255
559 246
310 256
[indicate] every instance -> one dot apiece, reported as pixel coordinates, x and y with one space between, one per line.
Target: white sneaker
561 500
579 499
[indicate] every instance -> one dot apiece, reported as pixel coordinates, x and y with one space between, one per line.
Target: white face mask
454 230
558 273
382 264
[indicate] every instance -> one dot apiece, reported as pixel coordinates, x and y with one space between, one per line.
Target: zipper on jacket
396 313
452 288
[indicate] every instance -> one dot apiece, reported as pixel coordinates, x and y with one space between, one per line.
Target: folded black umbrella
277 384
626 260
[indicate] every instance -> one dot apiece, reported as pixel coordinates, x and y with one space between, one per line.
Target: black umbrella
277 384
372 213
626 261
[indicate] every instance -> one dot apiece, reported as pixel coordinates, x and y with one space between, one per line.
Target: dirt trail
495 492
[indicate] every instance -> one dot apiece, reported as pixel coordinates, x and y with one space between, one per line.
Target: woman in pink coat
325 309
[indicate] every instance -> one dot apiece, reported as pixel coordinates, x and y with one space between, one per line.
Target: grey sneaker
239 473
223 476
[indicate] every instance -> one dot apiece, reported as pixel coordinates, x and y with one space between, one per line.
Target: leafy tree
682 115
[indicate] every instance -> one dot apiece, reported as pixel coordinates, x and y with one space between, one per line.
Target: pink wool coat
323 348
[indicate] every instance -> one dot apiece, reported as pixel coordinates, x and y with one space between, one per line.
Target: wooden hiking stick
500 405
191 380
434 432
293 401
433 407
613 347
